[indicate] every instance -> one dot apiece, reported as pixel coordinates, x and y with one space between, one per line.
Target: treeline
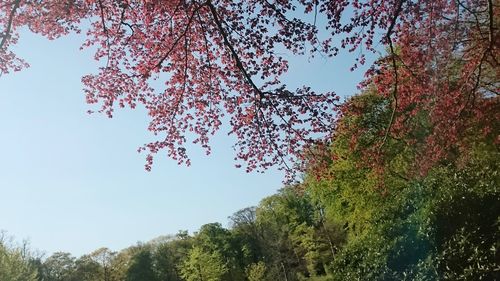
360 213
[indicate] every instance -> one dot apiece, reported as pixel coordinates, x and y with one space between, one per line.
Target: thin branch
177 40
209 61
8 29
491 24
395 68
105 29
228 44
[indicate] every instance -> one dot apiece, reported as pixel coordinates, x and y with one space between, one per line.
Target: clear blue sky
74 182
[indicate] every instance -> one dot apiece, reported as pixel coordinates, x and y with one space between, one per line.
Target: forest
397 182
345 221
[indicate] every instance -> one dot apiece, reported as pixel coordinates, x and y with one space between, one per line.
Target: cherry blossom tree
222 60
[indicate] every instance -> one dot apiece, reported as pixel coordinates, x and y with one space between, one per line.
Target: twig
6 33
395 68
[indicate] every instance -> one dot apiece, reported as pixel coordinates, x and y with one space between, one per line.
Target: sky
74 182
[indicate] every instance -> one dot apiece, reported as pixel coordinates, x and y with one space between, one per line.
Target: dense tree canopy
225 58
352 222
400 182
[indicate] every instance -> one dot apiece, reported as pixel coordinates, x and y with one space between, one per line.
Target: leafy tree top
222 60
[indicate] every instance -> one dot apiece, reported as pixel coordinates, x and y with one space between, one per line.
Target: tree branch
390 30
228 44
8 28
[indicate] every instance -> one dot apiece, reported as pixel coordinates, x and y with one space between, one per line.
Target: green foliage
141 267
464 217
256 271
356 220
402 226
86 269
203 266
15 263
169 254
58 267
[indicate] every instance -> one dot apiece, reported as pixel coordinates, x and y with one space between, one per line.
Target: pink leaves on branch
222 60
215 59
447 69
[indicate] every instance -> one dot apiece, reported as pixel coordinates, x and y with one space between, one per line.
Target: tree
58 267
15 262
256 271
213 238
398 224
141 267
86 269
248 235
103 257
168 255
286 223
224 58
201 265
